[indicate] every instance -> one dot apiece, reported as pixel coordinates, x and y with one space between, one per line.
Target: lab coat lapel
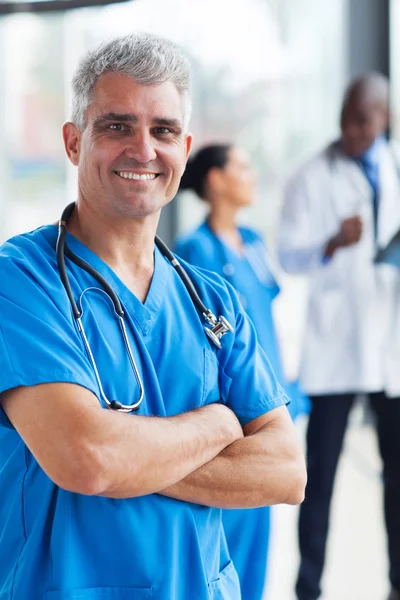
389 198
352 194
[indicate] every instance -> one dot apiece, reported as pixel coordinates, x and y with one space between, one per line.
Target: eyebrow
124 117
175 123
116 117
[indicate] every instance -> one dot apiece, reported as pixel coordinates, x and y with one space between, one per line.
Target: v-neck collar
229 254
240 256
144 314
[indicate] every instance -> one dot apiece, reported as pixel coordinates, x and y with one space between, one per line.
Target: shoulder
251 235
39 242
199 236
39 341
392 148
316 164
28 263
197 246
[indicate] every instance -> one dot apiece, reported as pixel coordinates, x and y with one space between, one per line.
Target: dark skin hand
349 234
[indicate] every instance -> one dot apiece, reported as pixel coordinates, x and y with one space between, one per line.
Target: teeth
144 177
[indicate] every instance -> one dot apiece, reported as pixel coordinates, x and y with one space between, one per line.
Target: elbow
301 260
80 473
85 483
297 481
289 261
92 474
82 482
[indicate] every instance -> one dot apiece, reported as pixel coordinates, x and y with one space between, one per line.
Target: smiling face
133 151
363 119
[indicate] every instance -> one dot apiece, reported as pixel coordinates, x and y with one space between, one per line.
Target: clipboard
390 255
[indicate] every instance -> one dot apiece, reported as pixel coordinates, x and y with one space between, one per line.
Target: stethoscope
228 268
214 328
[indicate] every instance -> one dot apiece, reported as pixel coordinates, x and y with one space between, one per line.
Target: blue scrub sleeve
39 342
248 374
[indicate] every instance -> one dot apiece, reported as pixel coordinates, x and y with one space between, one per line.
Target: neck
125 244
222 221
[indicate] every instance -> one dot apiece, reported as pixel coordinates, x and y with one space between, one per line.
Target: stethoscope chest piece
219 327
228 270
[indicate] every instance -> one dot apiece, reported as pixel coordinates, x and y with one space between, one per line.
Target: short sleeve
254 389
39 342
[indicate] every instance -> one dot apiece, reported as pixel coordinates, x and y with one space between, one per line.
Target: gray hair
373 86
147 58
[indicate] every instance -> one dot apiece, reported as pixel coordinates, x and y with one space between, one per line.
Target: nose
351 130
141 147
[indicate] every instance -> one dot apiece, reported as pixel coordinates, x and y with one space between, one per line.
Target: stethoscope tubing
214 328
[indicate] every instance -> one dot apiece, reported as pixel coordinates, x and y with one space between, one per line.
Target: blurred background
268 75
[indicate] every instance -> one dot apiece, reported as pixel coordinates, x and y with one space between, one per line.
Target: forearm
300 260
259 470
159 452
88 450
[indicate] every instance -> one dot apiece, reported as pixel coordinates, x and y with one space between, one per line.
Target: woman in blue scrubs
221 175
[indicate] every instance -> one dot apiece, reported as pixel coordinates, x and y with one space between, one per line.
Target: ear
388 116
215 179
72 142
188 146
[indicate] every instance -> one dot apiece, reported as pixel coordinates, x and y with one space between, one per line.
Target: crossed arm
202 456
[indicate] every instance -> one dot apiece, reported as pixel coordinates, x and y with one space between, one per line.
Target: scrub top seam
23 489
6 347
3 416
23 524
143 327
271 403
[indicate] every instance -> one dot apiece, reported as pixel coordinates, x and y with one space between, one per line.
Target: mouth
137 176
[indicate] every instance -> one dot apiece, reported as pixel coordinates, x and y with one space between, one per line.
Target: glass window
267 74
31 113
394 67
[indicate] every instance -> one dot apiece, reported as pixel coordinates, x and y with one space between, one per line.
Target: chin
133 207
355 150
139 206
246 202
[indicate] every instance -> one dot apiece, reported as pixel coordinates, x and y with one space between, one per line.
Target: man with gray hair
125 503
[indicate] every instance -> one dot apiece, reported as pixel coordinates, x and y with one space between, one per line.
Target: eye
118 127
162 130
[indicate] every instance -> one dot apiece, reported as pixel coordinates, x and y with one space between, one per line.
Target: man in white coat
339 209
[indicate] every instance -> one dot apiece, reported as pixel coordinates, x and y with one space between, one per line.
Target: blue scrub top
247 531
57 545
252 276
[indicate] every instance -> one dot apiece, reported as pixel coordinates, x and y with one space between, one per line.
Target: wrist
332 246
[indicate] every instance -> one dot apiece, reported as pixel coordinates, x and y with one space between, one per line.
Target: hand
350 231
349 234
223 416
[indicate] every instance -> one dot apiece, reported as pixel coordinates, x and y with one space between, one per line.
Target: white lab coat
352 333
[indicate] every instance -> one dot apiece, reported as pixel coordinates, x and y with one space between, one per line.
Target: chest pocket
227 586
216 384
